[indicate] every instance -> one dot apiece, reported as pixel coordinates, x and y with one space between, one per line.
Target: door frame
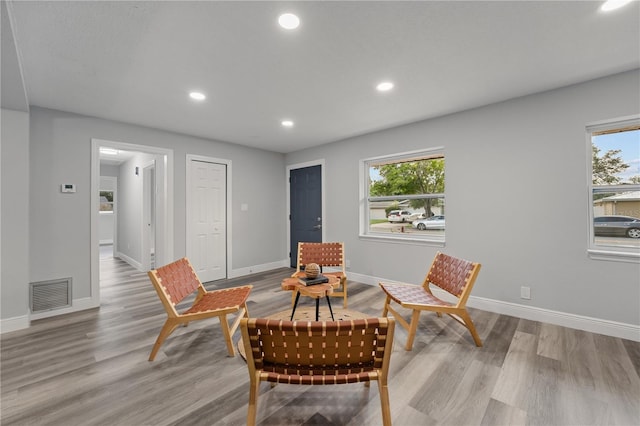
166 205
189 204
319 162
114 180
148 199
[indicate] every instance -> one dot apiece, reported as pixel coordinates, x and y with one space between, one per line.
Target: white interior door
206 242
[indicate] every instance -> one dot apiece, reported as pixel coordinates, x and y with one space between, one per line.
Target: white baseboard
14 324
235 273
130 261
24 321
578 322
76 305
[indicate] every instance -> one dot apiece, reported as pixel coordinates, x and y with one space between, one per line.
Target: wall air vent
49 295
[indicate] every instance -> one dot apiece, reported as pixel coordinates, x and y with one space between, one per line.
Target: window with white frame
614 188
106 201
403 196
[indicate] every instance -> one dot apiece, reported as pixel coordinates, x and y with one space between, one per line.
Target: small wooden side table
317 291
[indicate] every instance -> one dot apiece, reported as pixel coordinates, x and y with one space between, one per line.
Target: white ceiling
116 157
136 61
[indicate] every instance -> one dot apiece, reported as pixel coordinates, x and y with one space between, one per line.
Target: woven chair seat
336 379
412 295
336 274
218 300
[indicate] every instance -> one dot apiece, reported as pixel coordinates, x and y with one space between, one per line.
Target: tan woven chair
318 353
324 255
177 280
455 276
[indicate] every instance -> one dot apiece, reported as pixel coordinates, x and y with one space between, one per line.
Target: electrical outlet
348 263
525 293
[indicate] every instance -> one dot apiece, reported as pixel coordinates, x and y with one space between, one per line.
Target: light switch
244 207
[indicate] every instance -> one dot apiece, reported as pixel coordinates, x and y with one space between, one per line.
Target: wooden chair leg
384 404
415 317
227 334
254 388
464 315
167 329
344 290
385 310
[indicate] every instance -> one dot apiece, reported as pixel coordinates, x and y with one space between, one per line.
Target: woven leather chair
453 275
177 280
318 353
325 255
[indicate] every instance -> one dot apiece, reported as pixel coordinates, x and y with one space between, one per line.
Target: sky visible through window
374 174
629 145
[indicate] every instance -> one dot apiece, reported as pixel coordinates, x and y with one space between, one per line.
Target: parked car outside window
433 222
399 216
620 226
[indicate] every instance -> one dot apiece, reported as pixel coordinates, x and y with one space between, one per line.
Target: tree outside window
106 201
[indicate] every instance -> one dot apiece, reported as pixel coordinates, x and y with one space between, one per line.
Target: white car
433 222
399 216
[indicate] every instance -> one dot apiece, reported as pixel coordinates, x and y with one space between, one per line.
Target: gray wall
109 170
14 223
529 157
14 185
59 224
130 219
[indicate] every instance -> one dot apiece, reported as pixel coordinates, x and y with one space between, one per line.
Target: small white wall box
68 187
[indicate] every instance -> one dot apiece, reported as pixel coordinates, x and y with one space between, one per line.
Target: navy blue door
305 191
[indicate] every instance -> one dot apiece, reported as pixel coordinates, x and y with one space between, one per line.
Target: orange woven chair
318 353
455 276
324 255
177 280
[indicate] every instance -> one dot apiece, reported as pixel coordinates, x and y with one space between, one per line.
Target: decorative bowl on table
312 270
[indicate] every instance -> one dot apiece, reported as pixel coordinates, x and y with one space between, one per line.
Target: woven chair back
324 254
450 274
178 279
322 351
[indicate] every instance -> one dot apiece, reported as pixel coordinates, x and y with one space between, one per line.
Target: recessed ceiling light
197 96
610 5
385 86
289 21
287 123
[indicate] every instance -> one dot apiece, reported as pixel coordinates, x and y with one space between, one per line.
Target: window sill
614 256
395 238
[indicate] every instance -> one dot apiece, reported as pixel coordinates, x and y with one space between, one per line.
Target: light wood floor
91 368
